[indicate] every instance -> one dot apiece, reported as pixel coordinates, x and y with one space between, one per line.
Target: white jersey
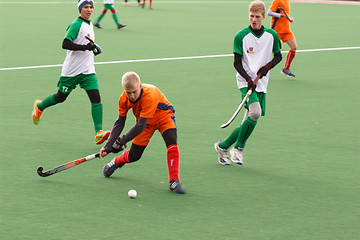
109 1
256 52
79 62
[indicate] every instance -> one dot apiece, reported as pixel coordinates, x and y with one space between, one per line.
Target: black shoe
121 26
97 25
110 168
175 186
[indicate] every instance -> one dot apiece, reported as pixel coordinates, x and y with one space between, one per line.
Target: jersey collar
84 20
258 32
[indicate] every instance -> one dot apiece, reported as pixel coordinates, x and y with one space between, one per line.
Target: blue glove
97 50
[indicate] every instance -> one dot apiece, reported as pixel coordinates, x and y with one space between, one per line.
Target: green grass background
301 174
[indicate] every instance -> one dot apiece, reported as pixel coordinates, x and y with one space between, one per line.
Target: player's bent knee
170 137
60 97
255 117
254 111
135 152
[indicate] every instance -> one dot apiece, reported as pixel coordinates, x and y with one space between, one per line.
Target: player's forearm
69 45
274 14
115 132
276 59
135 131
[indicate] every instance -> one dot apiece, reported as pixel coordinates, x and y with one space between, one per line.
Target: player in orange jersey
280 22
152 112
143 4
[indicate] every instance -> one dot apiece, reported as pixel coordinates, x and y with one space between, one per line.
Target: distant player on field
256 51
108 5
143 4
128 4
280 22
78 69
153 112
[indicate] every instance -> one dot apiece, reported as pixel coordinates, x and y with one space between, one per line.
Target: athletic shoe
110 168
101 136
121 26
287 72
140 4
97 25
127 4
236 155
175 186
36 113
223 155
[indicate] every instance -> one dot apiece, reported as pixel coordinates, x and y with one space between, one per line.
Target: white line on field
342 2
166 2
175 58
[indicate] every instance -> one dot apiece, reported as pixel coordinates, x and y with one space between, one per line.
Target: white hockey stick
241 105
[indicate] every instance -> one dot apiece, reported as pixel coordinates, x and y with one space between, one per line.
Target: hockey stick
286 15
66 165
241 105
90 40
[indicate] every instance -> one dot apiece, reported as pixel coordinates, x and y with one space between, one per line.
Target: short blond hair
130 79
257 6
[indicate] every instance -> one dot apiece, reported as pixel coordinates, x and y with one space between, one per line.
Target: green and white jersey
256 52
79 62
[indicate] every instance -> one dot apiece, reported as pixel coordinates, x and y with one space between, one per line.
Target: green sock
115 19
97 115
245 131
47 102
230 140
99 18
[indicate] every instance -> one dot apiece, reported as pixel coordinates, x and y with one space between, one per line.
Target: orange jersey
152 104
280 25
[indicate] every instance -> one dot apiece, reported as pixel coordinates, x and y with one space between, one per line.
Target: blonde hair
257 6
130 79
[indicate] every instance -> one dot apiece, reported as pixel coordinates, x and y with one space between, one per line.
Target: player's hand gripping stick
93 46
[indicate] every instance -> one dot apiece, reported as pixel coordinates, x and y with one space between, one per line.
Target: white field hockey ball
132 193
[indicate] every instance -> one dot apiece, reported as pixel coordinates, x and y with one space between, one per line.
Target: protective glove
94 47
264 70
90 46
118 146
97 49
251 85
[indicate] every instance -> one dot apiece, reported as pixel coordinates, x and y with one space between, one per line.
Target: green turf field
301 174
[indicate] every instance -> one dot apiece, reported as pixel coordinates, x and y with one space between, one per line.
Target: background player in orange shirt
143 4
280 22
152 112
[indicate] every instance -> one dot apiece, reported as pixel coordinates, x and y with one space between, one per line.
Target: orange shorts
286 36
163 124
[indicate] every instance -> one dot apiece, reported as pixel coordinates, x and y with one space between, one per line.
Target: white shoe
223 155
236 155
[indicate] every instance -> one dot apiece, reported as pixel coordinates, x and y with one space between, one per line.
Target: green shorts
109 6
86 81
254 97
